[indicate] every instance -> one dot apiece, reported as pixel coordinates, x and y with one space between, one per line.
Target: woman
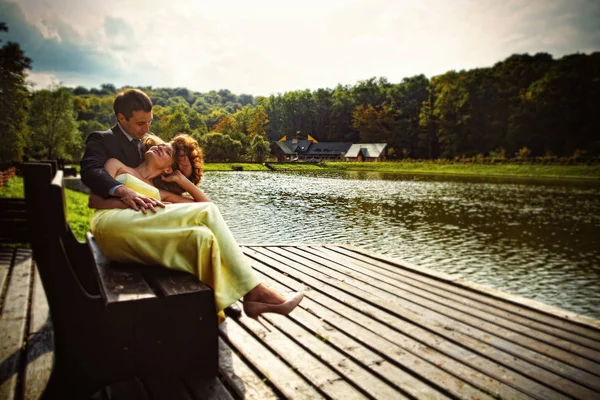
189 234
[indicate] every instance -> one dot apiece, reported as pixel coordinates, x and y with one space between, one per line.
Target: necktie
137 145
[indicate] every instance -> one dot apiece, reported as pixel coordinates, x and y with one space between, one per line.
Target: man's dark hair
131 100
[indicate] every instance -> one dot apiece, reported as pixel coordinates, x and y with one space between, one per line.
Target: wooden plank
39 344
172 283
17 213
338 350
441 304
440 293
13 218
278 373
431 342
13 323
12 203
528 308
244 382
306 364
6 257
206 388
118 283
452 323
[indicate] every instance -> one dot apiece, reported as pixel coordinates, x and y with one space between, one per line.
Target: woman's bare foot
254 309
264 294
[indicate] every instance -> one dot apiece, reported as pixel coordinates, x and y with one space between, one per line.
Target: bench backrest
63 262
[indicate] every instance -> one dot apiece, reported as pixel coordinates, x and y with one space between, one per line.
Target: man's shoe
233 311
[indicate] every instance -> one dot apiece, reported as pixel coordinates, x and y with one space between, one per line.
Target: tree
451 111
246 99
341 116
213 117
242 119
80 90
559 110
370 91
323 108
53 125
196 121
427 142
13 100
372 123
108 89
258 120
260 148
176 123
406 100
226 124
218 147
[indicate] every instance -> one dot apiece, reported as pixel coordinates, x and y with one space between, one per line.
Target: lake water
538 239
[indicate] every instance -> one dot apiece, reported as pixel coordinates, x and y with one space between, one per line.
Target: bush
524 153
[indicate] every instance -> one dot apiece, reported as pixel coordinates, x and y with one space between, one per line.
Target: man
133 109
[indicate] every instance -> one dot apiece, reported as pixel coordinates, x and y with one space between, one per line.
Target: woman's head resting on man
187 157
187 154
161 156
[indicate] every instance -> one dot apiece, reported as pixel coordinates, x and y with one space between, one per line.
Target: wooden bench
112 322
13 221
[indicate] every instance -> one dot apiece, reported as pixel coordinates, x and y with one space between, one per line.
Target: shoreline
551 171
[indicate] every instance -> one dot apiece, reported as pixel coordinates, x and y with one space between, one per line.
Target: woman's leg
192 237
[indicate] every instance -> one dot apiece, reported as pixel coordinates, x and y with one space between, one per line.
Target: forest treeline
526 105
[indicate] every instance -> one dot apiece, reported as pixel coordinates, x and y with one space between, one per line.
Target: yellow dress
190 237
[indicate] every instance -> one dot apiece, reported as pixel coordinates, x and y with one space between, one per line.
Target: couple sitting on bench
127 176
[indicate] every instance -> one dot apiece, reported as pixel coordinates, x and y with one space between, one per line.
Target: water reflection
538 239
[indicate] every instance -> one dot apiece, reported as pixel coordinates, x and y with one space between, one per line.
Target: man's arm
93 174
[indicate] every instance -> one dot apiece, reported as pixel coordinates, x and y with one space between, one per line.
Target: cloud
268 46
118 34
60 51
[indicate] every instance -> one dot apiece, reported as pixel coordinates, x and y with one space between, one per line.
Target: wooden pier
369 327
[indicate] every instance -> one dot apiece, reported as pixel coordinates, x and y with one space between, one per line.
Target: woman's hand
176 177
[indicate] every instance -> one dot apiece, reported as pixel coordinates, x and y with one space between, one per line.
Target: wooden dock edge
461 282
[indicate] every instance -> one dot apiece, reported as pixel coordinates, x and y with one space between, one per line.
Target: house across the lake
366 152
309 150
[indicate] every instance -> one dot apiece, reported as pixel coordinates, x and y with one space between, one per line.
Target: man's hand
137 201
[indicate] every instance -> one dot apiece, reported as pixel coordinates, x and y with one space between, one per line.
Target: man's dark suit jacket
99 147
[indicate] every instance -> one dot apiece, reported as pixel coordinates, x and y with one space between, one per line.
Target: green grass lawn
78 213
297 166
512 170
229 166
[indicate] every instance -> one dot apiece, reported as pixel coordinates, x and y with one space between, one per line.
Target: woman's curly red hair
191 148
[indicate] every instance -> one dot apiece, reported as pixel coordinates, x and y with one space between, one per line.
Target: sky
264 47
